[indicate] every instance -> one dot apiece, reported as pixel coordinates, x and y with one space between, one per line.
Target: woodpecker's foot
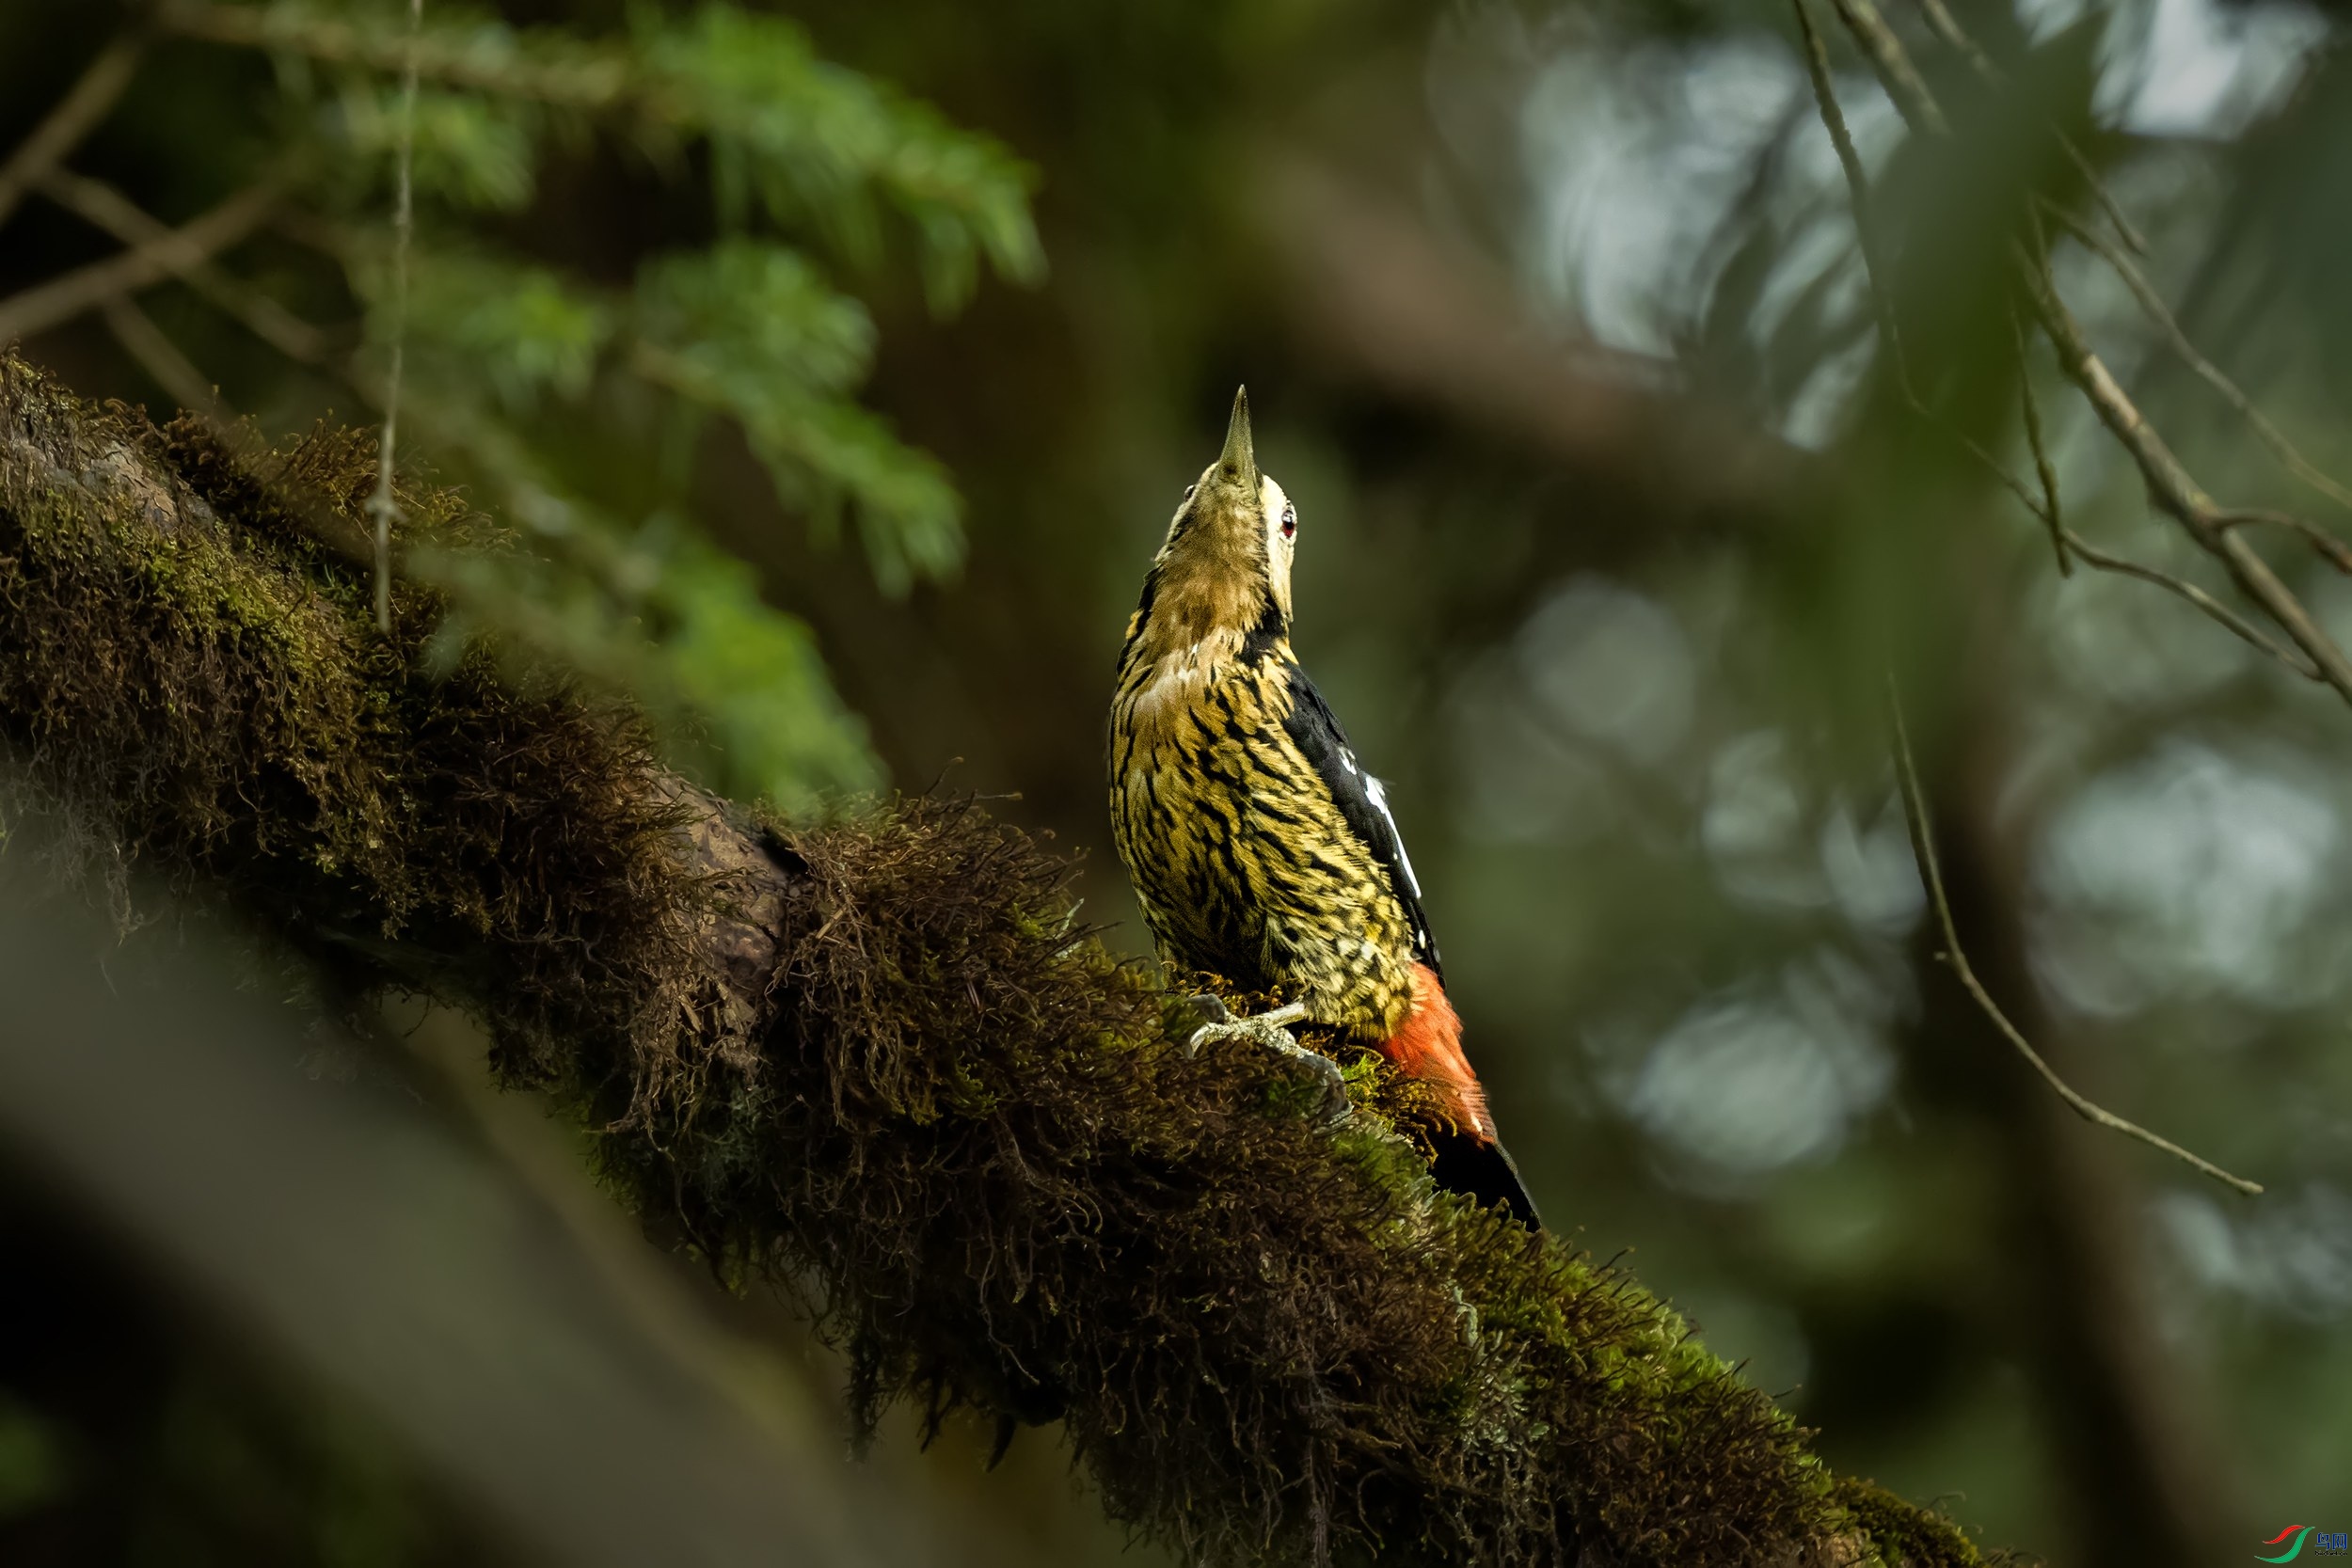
1212 1006
1266 1031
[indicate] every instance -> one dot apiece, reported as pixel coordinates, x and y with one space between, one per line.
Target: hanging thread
381 506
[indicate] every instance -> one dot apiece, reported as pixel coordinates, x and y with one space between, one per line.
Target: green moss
1904 1534
963 1129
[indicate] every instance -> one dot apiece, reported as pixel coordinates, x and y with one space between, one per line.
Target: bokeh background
841 437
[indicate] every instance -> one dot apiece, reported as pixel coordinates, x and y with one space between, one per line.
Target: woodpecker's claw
1212 1006
1266 1031
1266 1028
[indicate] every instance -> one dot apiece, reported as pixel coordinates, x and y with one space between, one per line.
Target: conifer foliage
574 400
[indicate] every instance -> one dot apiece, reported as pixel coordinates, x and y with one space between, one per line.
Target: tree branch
160 358
1946 27
1892 65
2236 625
1932 877
103 206
2170 485
1883 300
873 1058
142 266
590 80
2029 408
2071 1298
76 116
2179 494
2334 551
2152 304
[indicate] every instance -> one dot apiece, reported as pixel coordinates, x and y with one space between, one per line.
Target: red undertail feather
1428 1047
1471 1159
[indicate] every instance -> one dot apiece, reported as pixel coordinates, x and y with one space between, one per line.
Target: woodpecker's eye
1290 522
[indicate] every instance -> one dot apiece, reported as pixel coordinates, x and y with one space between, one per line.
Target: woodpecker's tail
1471 1159
1481 1168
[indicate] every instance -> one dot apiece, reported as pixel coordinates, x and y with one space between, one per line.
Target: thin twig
1893 66
77 115
1932 875
2133 238
381 506
142 266
2169 483
1947 26
589 81
1857 189
2174 490
1875 271
1874 261
2152 305
2329 548
171 369
108 209
2052 516
160 358
2293 658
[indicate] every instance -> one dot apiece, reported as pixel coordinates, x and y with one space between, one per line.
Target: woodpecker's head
1226 566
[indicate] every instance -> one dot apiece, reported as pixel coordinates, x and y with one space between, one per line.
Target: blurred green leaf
809 139
527 330
749 330
470 152
581 406
753 312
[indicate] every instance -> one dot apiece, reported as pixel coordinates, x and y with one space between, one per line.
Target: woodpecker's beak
1239 461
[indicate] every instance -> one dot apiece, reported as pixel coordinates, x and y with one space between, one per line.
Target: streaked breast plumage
1261 849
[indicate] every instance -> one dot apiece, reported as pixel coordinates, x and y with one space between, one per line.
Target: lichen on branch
872 1060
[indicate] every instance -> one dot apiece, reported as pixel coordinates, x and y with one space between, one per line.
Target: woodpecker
1261 849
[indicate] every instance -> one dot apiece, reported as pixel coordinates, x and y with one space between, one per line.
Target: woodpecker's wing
1315 730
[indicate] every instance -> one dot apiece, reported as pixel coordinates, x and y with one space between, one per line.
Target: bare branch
1992 465
83 105
101 205
2238 624
174 251
692 955
2159 312
1857 189
2329 548
2169 483
588 82
171 369
1882 301
382 507
2174 491
2051 515
160 358
1892 65
1932 875
1946 27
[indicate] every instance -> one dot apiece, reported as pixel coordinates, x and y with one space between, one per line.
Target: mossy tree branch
873 1060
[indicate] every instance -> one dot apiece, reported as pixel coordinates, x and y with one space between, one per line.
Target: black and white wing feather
1316 732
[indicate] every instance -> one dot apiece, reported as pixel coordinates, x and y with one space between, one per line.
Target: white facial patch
1280 521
